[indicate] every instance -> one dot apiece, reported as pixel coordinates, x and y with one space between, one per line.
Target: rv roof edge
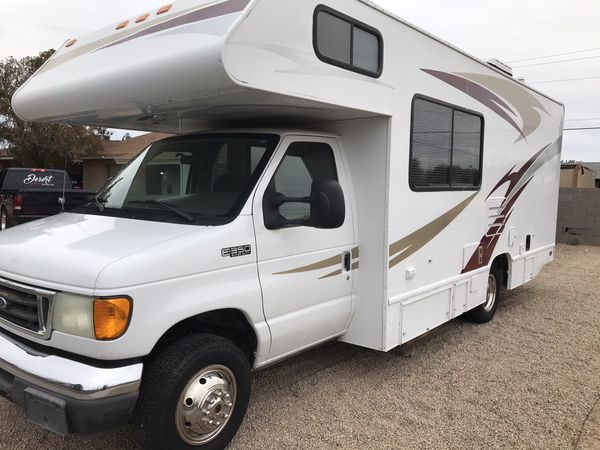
240 68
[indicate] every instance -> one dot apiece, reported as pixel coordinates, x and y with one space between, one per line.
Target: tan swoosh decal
329 262
324 264
339 272
412 243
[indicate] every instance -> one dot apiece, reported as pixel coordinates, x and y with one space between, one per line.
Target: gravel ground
529 379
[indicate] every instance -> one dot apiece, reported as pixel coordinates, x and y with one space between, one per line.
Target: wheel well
230 324
501 261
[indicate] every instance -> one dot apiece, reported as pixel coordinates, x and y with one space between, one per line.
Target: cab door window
303 164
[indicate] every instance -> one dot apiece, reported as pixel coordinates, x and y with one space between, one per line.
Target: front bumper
67 396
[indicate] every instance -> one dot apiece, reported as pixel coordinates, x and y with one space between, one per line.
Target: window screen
348 43
446 147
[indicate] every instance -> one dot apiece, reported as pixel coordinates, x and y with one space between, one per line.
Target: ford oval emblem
3 303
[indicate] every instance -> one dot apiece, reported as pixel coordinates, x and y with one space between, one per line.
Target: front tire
485 313
195 394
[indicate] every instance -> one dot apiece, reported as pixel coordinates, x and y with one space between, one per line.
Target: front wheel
195 394
484 313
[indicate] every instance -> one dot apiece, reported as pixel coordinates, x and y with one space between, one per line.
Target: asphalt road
527 380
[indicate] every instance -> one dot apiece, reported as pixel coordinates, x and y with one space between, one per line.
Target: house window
345 42
446 147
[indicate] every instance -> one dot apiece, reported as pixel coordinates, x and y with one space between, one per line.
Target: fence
579 216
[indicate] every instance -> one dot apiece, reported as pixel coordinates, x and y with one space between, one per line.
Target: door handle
347 261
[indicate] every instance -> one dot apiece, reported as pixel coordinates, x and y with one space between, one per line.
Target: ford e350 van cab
336 174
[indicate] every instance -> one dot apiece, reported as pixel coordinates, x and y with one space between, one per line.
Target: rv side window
347 43
446 147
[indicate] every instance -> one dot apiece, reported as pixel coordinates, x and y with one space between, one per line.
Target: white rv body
419 258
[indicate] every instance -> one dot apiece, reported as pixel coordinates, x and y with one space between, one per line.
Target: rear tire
3 219
485 312
194 395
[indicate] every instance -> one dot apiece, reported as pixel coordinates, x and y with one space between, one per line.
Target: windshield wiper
100 203
168 207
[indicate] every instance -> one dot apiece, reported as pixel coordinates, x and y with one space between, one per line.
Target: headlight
103 319
73 314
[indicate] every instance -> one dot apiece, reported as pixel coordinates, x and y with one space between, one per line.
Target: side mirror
327 205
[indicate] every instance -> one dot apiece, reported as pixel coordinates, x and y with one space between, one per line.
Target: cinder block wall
579 216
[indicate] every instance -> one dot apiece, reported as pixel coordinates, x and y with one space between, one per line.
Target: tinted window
334 37
303 164
36 179
446 147
365 50
466 155
432 145
348 43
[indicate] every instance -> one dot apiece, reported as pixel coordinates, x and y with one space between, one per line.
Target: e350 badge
234 252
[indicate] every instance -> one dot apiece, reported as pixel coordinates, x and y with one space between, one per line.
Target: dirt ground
529 379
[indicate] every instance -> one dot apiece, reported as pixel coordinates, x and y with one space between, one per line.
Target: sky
509 30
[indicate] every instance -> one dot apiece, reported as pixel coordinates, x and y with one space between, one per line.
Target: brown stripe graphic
479 93
521 99
210 12
412 243
487 89
128 34
517 183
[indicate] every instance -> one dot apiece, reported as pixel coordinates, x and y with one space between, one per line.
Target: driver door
305 273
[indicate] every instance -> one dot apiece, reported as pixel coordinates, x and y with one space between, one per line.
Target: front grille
24 307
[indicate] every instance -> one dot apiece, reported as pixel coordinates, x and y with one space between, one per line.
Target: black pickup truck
30 194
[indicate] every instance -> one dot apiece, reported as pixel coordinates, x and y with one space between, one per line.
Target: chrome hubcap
491 294
3 221
205 405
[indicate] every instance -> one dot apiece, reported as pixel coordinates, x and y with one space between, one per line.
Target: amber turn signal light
142 18
111 317
164 9
70 42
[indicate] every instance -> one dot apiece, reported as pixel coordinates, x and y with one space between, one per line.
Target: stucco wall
579 216
577 177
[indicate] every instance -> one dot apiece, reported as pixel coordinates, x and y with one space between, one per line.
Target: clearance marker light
122 25
164 9
70 42
142 18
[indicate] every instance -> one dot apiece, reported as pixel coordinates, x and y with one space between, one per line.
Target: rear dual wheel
485 312
195 394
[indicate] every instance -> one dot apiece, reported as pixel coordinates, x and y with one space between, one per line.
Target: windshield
193 179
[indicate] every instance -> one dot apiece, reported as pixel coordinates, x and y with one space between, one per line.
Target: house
595 166
98 169
577 175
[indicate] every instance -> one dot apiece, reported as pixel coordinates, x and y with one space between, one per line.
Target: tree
45 145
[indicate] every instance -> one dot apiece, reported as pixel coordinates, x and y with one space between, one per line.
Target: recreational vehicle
336 173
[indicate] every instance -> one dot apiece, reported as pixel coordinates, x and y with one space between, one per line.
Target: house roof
587 166
595 166
123 151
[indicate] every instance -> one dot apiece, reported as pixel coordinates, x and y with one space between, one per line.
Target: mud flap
46 411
